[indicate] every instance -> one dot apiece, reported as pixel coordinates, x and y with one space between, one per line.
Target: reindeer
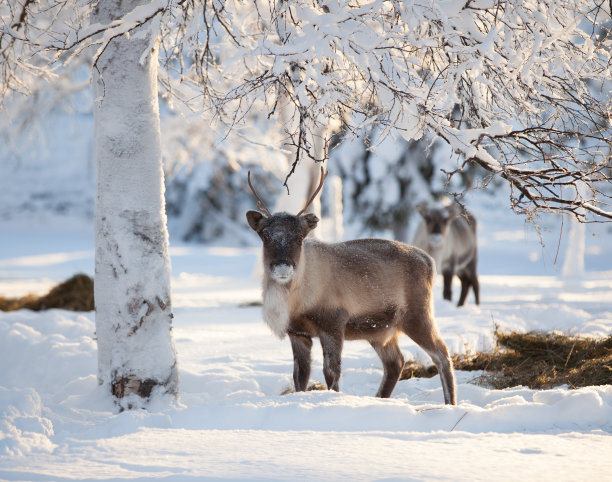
448 234
364 289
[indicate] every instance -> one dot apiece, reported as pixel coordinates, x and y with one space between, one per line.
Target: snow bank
23 428
49 351
232 423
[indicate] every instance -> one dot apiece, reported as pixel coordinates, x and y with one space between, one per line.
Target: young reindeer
365 289
448 234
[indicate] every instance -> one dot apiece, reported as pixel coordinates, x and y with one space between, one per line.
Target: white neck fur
275 309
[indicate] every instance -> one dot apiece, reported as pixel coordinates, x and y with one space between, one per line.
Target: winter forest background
504 106
488 70
48 141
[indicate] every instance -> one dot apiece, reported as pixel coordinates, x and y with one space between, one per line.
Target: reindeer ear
255 220
308 222
453 210
422 209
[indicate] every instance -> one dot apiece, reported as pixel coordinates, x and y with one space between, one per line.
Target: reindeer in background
448 234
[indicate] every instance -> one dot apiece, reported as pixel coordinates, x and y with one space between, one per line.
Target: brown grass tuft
536 360
75 294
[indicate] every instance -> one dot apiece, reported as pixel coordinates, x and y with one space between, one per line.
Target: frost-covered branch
544 167
460 70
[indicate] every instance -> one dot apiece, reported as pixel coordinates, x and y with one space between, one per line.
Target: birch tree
132 283
136 355
519 87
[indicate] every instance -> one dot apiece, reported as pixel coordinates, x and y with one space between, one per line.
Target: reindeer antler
323 177
261 206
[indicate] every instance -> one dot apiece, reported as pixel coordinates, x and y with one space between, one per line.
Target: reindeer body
368 289
366 279
448 234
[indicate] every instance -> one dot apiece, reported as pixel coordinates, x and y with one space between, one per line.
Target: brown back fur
368 279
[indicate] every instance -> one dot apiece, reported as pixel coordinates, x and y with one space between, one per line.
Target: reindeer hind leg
465 288
476 288
444 364
422 330
393 363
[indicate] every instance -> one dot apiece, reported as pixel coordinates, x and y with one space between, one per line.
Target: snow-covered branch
519 87
544 166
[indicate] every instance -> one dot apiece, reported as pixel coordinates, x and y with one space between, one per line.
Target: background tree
382 186
520 88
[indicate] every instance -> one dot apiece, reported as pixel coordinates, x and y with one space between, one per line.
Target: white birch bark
573 262
334 231
136 353
307 175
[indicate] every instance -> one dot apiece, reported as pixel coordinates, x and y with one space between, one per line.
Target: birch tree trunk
136 354
573 263
307 174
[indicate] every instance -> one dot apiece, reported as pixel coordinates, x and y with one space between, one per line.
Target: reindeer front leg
331 344
301 345
448 281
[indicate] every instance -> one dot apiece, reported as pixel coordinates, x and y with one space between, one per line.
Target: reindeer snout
435 240
283 273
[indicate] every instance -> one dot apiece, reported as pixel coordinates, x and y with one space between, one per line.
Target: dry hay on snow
535 360
75 294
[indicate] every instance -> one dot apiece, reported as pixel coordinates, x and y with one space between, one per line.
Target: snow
231 422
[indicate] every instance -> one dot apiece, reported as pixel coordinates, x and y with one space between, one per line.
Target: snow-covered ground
231 421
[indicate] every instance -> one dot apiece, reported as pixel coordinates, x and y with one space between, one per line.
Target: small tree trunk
573 264
136 352
307 174
400 232
336 218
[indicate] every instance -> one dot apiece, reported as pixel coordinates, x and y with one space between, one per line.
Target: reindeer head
437 219
282 235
